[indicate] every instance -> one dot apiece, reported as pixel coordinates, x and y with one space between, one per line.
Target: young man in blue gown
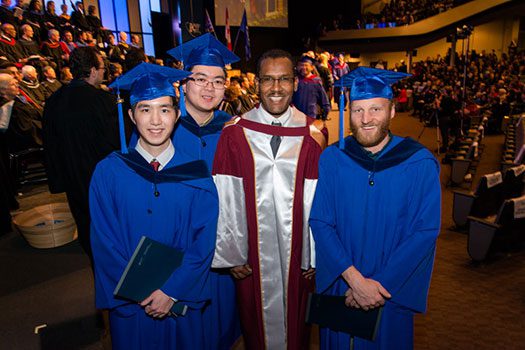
376 216
197 134
153 190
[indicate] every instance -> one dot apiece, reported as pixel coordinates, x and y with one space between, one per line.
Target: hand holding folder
331 312
149 268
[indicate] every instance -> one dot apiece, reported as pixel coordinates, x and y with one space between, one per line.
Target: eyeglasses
269 81
218 84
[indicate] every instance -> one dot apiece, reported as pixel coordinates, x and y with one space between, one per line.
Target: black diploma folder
330 311
149 268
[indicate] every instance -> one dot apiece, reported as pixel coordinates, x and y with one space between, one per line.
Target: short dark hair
134 58
174 100
190 69
273 54
7 64
82 59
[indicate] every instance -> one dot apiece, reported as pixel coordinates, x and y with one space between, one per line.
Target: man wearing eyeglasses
197 135
265 170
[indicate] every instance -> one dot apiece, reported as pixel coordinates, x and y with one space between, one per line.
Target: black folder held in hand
331 312
149 268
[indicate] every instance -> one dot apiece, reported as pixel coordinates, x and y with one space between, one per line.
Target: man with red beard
265 170
376 216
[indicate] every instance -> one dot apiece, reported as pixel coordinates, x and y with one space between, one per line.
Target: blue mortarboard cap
307 59
145 82
149 81
365 83
204 50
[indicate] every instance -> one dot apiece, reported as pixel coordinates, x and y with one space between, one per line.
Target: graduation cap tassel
342 119
123 146
182 102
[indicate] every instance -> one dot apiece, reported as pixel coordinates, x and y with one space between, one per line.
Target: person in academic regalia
197 135
78 18
310 97
340 69
28 46
156 191
80 129
50 82
34 17
8 93
376 217
6 13
56 50
8 45
265 170
51 19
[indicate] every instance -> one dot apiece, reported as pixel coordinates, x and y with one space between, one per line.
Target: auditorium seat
504 233
461 162
483 202
514 145
513 182
491 191
27 166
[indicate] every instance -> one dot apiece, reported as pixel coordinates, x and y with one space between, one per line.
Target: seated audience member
65 75
113 52
11 68
7 15
35 18
25 126
28 46
50 82
135 41
82 39
244 103
68 40
8 92
231 104
134 57
122 43
51 20
115 70
8 46
32 87
56 50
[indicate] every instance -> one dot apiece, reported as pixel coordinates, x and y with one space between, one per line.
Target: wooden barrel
47 226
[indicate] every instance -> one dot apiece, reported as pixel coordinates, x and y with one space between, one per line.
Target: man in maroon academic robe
265 170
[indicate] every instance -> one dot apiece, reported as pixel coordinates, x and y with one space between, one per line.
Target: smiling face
203 99
304 68
276 85
370 122
155 120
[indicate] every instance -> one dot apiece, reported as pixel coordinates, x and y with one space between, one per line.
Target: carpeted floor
471 306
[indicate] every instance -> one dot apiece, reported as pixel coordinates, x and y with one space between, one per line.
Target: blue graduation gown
382 217
123 208
221 317
310 97
199 142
